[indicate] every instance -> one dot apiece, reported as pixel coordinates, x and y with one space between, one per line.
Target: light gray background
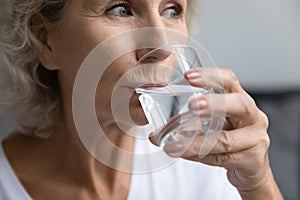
258 39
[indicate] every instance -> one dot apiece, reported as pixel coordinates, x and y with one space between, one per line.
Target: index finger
222 78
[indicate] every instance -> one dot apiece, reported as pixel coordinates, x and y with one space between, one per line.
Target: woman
43 45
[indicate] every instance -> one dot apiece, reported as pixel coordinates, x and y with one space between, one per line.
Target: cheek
118 105
181 28
108 90
71 51
114 101
72 45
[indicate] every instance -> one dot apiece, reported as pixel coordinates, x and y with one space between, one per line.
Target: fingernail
174 149
193 75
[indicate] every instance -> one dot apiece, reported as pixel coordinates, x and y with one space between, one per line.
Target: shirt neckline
9 176
19 190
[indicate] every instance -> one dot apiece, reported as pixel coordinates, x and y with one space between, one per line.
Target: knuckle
194 148
259 154
260 158
263 119
231 78
219 159
251 110
226 140
223 160
265 141
248 104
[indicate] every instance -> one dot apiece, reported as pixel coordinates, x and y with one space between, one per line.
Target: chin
137 115
136 112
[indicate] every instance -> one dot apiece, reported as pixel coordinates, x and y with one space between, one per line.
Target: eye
120 10
172 12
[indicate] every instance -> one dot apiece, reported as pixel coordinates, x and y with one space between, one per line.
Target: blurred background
260 41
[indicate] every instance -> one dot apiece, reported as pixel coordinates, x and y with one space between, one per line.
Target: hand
242 147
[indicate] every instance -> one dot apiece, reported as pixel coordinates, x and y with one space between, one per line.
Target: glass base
186 126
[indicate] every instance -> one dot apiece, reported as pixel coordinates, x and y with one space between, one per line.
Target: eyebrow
88 2
88 5
95 5
96 2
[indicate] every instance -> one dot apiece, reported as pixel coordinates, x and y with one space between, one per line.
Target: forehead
103 2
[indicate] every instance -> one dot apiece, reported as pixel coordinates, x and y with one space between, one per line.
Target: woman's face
88 23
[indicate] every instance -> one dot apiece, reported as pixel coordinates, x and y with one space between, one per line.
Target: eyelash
116 5
176 7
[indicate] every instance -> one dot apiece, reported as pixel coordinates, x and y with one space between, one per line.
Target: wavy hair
26 87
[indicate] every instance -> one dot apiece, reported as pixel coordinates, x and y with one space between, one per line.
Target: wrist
264 189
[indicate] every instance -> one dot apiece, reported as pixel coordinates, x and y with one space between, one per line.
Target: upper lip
146 85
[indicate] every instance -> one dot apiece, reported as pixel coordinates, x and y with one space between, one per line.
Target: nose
155 36
151 55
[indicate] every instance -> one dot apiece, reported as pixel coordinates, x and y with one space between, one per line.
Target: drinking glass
165 95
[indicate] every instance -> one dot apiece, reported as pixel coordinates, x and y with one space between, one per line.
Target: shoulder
10 185
15 154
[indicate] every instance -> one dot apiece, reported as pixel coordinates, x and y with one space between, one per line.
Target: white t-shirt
178 181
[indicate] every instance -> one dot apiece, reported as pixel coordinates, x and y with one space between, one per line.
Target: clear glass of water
166 95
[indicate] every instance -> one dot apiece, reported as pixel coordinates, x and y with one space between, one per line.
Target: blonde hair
26 87
31 91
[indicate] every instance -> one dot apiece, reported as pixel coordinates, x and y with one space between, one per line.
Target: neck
102 160
63 158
